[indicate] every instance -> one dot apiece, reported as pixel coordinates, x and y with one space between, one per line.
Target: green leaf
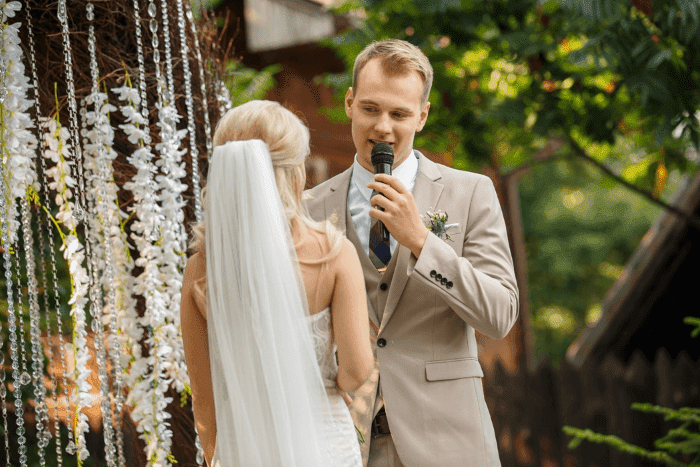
659 58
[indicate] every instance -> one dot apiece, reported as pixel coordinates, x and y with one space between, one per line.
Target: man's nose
383 124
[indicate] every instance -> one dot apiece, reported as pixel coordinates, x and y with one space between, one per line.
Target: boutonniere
437 223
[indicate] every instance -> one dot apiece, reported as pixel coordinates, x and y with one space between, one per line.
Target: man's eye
399 115
370 109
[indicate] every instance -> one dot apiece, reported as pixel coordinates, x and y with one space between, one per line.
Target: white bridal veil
271 406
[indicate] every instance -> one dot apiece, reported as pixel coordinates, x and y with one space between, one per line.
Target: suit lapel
426 192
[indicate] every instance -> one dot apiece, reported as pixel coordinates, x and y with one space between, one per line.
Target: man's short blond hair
398 57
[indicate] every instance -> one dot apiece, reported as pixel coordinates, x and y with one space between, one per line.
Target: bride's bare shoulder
194 285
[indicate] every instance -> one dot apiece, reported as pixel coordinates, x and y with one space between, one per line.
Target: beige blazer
428 366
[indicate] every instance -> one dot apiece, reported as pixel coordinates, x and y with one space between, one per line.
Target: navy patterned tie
379 250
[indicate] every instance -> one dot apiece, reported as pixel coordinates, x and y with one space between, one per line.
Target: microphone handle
382 169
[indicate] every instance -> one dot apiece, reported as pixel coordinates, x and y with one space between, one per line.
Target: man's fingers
379 200
385 189
392 181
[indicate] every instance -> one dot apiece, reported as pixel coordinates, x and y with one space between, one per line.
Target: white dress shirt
359 195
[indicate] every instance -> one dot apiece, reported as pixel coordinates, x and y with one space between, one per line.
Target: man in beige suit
426 406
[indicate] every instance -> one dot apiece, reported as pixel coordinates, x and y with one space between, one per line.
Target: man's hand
400 215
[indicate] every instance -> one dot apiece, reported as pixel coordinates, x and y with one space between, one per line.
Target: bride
267 298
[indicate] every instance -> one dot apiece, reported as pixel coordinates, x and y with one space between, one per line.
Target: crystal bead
2 374
43 442
78 213
153 26
25 379
3 94
94 325
20 430
90 13
200 457
71 448
62 11
19 412
23 456
13 346
156 56
152 9
3 390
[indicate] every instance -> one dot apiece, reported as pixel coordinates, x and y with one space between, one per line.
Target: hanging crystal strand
223 97
79 213
170 96
49 346
194 151
3 400
189 103
35 333
203 83
49 351
58 335
12 327
147 391
24 378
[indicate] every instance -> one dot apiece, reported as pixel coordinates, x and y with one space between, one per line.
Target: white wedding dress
341 437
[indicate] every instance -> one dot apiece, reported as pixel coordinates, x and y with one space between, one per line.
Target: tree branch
692 219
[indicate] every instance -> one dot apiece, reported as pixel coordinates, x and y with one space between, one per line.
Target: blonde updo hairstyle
287 139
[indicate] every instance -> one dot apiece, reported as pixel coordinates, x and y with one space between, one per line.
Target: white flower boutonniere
437 223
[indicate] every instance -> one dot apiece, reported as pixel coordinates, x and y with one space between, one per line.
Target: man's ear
348 103
423 116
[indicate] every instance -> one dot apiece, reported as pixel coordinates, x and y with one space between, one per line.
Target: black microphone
383 161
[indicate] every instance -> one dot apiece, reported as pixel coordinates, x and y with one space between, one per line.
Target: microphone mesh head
382 153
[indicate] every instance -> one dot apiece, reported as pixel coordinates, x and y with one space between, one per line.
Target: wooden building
645 308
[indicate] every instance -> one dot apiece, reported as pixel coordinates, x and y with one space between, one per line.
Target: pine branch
621 445
692 219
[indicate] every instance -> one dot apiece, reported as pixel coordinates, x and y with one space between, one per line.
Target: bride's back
319 279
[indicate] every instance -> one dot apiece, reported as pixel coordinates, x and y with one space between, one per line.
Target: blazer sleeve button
381 342
449 284
438 277
433 273
444 281
383 286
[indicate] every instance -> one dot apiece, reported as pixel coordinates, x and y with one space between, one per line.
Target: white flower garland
16 140
58 151
174 241
147 394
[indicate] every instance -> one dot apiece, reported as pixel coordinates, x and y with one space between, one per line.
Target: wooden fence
530 408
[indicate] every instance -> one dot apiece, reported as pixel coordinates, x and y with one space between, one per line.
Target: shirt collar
406 172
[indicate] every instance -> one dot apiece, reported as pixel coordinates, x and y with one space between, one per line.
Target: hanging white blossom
174 242
17 141
146 379
61 182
